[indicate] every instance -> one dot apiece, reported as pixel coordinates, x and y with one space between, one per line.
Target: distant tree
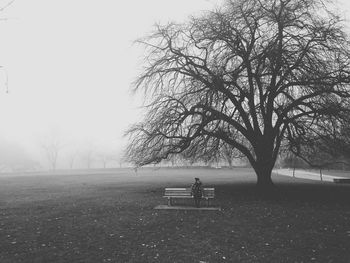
88 157
104 159
107 158
72 156
51 145
88 154
254 74
230 154
14 157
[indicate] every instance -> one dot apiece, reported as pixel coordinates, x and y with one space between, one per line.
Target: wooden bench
183 193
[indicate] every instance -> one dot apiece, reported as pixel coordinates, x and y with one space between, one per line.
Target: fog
65 77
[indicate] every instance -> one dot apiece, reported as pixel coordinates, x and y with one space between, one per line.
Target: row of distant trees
80 158
52 154
86 156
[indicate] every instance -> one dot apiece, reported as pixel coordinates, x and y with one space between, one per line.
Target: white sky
70 64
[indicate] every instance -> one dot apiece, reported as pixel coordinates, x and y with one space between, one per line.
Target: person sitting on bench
197 191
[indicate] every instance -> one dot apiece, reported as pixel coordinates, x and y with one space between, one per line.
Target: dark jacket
197 189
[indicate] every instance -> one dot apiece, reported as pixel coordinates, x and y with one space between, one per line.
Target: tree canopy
257 75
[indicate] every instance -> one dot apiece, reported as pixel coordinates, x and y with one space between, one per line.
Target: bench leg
169 201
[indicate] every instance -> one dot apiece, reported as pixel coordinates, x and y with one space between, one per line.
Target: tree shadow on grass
327 193
321 193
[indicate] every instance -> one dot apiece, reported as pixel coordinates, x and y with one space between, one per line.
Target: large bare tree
257 75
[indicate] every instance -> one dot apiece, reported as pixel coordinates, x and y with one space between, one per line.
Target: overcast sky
70 64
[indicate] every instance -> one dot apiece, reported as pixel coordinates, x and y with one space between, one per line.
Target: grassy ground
109 217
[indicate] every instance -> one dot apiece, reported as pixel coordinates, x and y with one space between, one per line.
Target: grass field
109 217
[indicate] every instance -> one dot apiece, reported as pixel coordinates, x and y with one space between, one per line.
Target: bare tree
51 145
14 157
72 158
230 153
254 74
106 158
88 155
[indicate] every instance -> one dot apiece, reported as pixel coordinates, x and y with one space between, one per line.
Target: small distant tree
14 157
254 74
230 154
72 156
104 159
107 158
51 145
88 156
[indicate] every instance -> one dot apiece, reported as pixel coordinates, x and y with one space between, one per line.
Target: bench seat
183 193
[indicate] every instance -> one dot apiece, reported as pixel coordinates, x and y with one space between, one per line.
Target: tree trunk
264 179
265 161
229 161
265 185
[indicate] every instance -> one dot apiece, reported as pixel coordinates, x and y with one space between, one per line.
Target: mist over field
65 78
